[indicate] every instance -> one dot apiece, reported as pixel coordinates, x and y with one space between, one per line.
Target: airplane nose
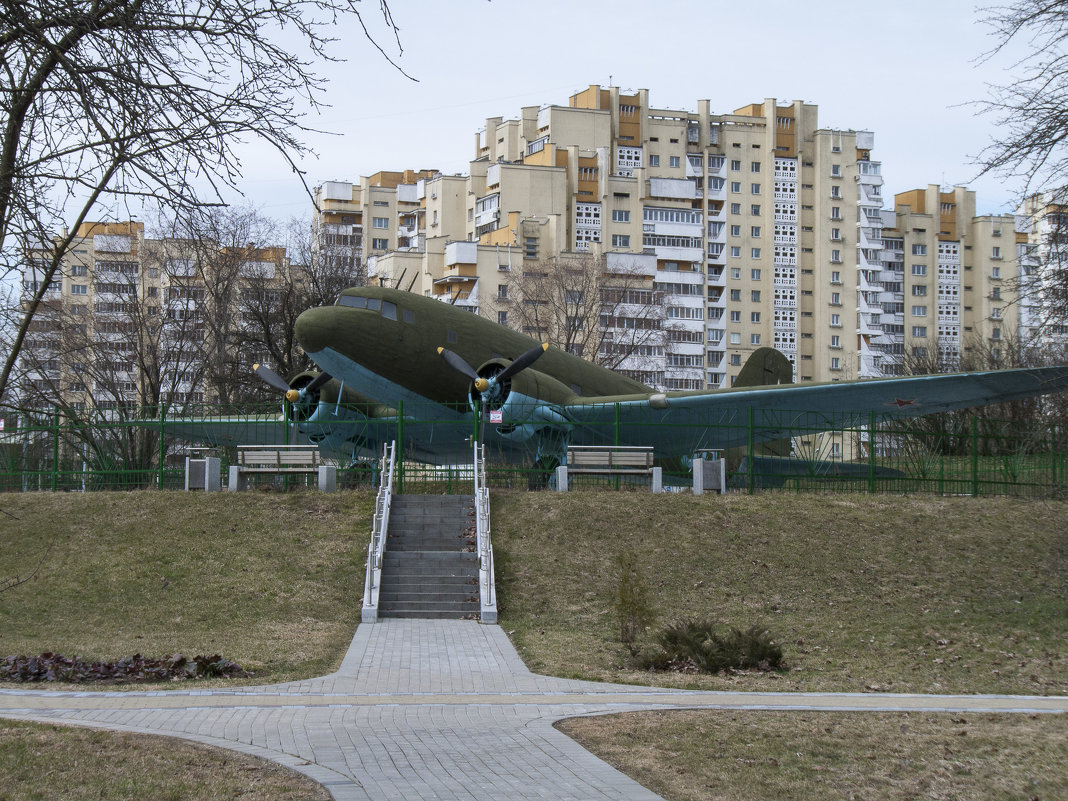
317 328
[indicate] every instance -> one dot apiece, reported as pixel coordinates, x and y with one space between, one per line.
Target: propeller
488 385
270 377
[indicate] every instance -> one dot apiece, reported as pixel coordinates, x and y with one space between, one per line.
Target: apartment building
751 228
948 280
131 320
1042 250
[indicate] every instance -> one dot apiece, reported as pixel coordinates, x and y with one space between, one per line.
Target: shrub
710 647
632 599
55 667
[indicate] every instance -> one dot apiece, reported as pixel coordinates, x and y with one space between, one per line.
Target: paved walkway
424 709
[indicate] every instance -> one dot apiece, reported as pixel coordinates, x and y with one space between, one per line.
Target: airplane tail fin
766 367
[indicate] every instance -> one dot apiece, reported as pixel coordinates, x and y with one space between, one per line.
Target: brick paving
437 709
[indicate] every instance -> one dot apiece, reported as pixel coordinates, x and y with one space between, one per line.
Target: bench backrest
278 457
607 457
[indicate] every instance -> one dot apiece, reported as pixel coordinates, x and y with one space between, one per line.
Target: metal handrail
486 584
376 548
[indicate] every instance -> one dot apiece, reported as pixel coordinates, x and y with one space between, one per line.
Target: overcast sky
906 70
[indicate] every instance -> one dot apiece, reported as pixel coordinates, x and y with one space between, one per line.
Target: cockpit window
389 310
374 304
355 301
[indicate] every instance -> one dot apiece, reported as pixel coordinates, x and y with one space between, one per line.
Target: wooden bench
610 460
280 460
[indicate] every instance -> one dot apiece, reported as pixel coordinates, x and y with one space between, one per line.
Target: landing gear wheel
542 473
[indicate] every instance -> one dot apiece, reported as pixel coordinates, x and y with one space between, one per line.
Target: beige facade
1042 252
950 279
763 229
125 320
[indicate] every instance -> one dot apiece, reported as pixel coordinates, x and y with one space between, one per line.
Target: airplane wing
237 430
686 421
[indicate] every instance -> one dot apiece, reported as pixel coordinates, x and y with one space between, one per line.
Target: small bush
632 599
709 647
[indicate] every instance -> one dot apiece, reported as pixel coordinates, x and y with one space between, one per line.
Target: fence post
162 442
975 456
751 478
871 452
55 449
616 426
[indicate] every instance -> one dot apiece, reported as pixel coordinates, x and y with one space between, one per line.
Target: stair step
440 606
431 614
423 599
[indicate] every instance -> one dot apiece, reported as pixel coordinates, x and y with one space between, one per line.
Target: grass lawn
899 594
826 756
42 763
272 581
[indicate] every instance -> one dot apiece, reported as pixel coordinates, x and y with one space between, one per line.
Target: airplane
394 362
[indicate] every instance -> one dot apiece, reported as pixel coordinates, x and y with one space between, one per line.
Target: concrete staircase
430 568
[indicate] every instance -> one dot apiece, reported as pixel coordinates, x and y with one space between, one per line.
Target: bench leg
238 480
561 478
658 480
327 478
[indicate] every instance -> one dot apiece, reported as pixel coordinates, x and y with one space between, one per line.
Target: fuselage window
576 389
389 310
374 304
450 335
409 315
354 301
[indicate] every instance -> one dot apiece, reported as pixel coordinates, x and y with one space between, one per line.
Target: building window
754 317
755 273
502 318
836 320
754 253
919 311
754 189
736 272
736 359
754 166
755 209
754 230
836 256
736 230
736 339
79 269
919 331
620 215
736 208
836 277
836 169
836 234
996 254
836 299
654 161
379 244
736 186
79 289
502 291
919 250
836 212
736 164
380 222
836 341
754 339
836 191
620 241
836 363
736 295
919 269
919 290
736 316
755 295
673 161
736 251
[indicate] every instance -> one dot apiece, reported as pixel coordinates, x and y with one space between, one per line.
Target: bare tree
615 319
143 100
1031 110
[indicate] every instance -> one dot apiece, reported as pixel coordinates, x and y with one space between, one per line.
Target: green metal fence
951 454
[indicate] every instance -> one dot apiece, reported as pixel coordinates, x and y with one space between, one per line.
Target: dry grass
900 594
271 581
41 763
824 756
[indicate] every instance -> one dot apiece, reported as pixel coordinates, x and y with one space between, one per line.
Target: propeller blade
523 362
317 382
270 377
456 362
